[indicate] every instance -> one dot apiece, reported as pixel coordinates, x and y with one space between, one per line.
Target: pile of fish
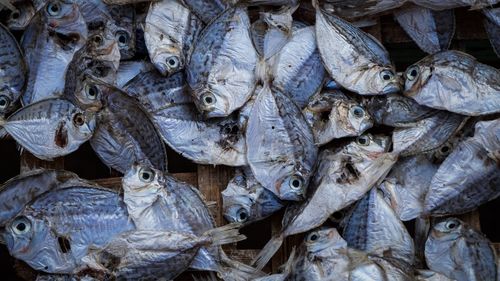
310 111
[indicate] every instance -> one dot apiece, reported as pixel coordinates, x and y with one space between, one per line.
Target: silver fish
56 33
405 187
13 71
19 18
492 26
50 128
221 71
458 251
429 275
245 200
469 176
428 134
456 82
333 115
130 69
372 226
280 145
54 232
353 58
170 31
431 30
337 183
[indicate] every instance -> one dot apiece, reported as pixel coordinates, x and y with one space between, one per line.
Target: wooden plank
211 182
472 219
280 257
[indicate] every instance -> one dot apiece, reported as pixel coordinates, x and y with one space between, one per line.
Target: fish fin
268 251
226 234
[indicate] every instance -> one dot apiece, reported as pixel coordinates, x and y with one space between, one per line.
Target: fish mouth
391 88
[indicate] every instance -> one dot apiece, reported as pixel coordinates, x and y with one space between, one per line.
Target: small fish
492 26
454 81
245 200
50 128
431 30
337 183
13 72
353 58
372 226
221 71
333 115
19 18
456 250
280 145
170 31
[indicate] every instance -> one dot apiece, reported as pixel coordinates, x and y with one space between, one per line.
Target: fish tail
226 234
268 251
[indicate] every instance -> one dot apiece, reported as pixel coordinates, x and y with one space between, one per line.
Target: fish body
445 5
206 10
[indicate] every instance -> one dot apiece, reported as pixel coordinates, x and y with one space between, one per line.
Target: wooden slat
472 219
211 182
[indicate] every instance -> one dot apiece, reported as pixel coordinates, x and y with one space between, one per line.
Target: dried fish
492 26
20 17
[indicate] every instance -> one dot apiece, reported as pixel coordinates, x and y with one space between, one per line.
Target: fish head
212 104
448 230
293 187
89 93
381 80
237 200
416 77
21 17
142 177
168 60
369 145
82 126
324 238
238 211
126 42
103 46
6 104
65 23
358 118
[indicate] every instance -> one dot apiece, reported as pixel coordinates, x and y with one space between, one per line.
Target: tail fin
226 234
268 251
232 270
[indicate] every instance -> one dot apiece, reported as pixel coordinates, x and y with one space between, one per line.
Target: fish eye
358 111
241 215
146 175
296 182
411 73
122 38
91 91
208 99
4 102
363 140
15 15
312 237
172 62
452 224
78 120
98 40
387 75
21 225
53 9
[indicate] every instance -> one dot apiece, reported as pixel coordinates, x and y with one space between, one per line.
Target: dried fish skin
456 82
221 70
206 10
456 250
351 9
19 18
445 5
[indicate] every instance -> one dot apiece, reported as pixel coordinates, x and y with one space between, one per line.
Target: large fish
353 58
492 26
280 145
50 128
342 177
221 71
456 82
13 72
456 250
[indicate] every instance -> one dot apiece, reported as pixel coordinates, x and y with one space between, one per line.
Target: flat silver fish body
431 30
170 31
128 70
350 9
13 71
21 17
333 115
353 58
299 76
206 10
405 186
444 5
469 176
50 128
280 145
54 35
372 226
459 252
456 82
55 231
492 26
428 134
221 70
245 200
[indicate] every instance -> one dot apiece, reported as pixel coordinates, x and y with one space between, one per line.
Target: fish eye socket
363 140
21 225
15 15
412 73
122 38
78 119
452 224
387 75
172 62
146 175
296 182
358 112
91 91
312 237
98 40
242 215
53 9
208 99
4 102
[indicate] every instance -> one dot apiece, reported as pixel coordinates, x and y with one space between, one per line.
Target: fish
206 10
50 128
337 183
19 18
431 30
372 226
13 72
124 19
350 9
491 23
157 200
405 187
280 145
353 58
221 69
444 5
456 82
298 76
245 200
216 141
55 231
427 134
459 252
50 41
332 115
170 31
469 176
